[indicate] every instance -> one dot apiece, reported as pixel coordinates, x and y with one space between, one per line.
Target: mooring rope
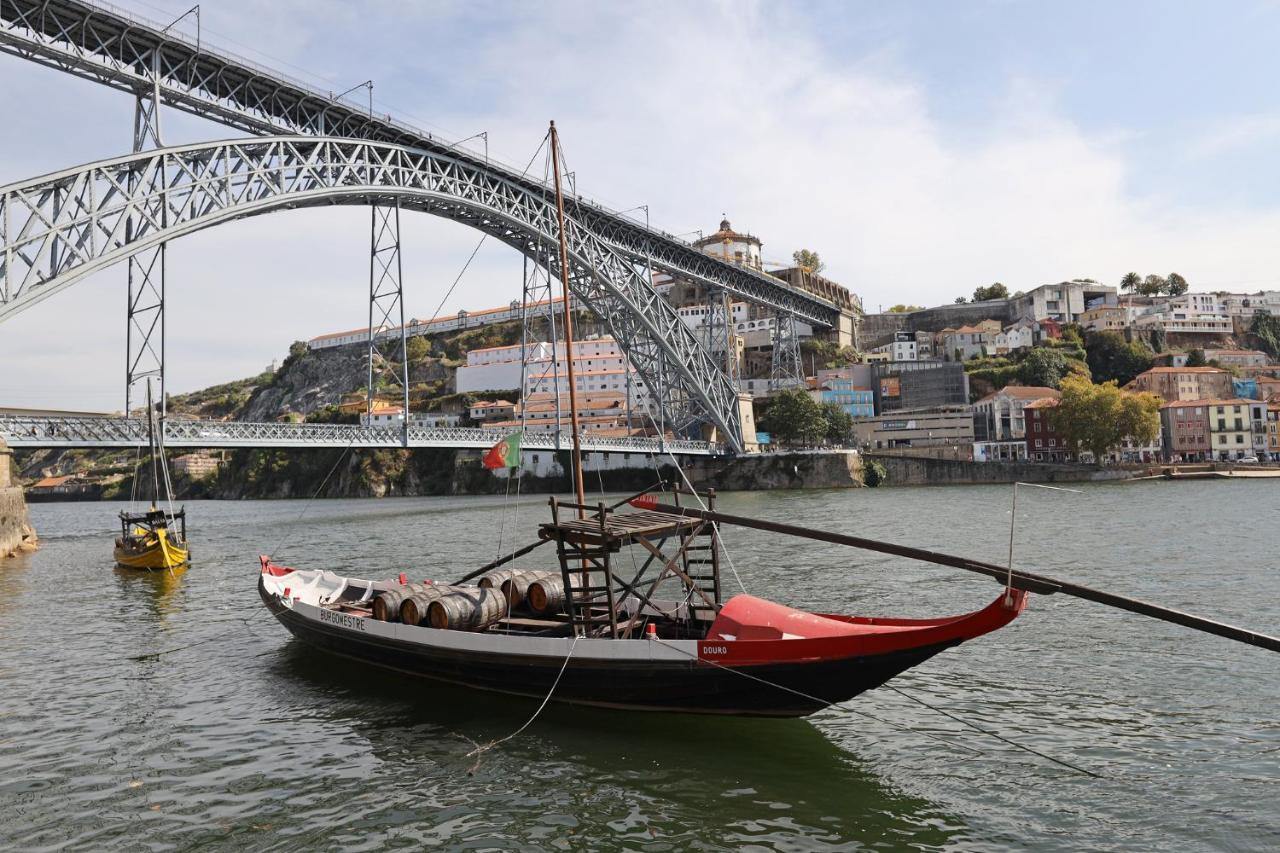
948 714
480 750
990 733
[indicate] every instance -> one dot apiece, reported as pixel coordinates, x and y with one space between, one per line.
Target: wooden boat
152 540
155 539
618 644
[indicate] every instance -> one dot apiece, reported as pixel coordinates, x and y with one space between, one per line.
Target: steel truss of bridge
107 45
37 432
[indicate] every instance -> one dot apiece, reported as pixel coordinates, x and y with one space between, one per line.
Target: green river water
241 738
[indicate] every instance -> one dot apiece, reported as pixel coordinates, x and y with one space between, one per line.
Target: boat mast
151 441
568 327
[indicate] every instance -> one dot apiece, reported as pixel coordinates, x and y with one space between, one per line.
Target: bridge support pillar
386 311
720 340
787 371
144 321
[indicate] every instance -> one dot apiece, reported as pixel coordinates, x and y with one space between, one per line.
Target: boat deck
619 528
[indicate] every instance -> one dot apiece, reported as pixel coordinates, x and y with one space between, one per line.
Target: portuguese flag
504 454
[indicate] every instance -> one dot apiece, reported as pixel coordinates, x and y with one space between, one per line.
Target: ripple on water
240 738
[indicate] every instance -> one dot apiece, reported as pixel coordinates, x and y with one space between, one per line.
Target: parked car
1248 460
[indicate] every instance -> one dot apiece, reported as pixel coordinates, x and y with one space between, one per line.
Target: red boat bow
750 630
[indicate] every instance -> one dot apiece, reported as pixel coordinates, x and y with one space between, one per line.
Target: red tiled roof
1024 392
1042 403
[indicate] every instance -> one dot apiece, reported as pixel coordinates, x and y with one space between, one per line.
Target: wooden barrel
413 609
516 587
467 609
496 578
386 605
546 596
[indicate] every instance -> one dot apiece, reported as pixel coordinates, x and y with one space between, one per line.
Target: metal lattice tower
718 332
387 343
538 325
144 320
787 371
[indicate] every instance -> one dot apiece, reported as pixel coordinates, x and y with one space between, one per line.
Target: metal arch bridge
103 44
57 229
70 432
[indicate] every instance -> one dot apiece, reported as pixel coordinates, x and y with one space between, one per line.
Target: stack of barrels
473 608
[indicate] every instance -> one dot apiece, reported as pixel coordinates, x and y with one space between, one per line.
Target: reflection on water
168 709
157 588
756 779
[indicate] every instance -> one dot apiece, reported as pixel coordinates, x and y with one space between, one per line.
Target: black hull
792 689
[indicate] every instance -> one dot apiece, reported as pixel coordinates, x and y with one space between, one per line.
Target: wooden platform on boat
618 528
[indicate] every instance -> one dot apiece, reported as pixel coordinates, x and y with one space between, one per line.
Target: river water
239 737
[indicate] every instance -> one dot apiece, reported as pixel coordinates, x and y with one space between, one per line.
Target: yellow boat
154 539
150 541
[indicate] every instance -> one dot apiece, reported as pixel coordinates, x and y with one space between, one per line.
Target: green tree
1266 328
417 348
1130 281
792 417
991 291
960 300
904 309
1111 357
1176 285
1044 366
297 350
808 259
1195 358
839 424
1152 285
1073 334
1098 418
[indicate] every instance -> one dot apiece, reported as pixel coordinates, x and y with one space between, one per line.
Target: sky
922 148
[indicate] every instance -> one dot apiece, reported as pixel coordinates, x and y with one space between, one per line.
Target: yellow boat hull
155 552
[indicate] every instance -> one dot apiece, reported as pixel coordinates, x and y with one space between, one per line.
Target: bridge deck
32 432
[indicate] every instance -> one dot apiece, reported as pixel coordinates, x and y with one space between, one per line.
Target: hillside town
981 379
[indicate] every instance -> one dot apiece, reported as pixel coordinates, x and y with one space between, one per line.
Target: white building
599 366
1063 303
731 246
905 349
1188 314
1245 305
1021 335
463 319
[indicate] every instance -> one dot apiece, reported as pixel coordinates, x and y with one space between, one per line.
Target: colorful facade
1185 424
1184 383
1230 429
1044 442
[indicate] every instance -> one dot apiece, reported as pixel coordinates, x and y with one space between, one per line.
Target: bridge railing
38 431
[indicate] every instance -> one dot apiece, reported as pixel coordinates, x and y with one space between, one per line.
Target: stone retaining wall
841 469
915 471
16 532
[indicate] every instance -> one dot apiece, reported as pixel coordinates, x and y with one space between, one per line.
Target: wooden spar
1019 579
568 327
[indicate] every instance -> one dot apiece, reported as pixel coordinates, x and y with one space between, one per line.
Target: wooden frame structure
602 601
